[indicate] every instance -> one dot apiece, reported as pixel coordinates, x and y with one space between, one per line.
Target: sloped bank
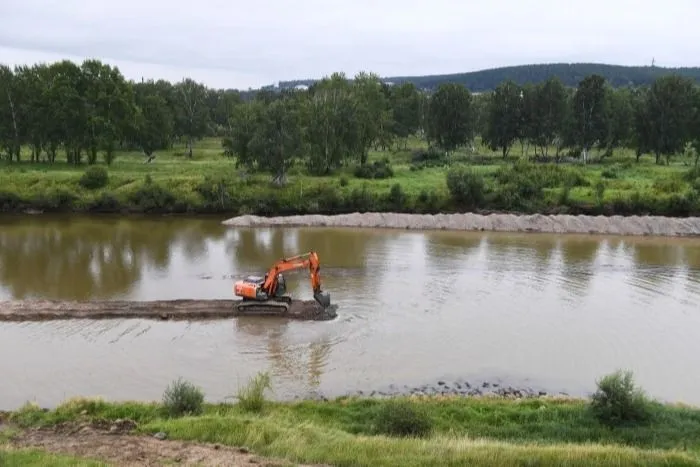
555 223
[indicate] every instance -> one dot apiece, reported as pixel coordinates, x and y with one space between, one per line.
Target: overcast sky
242 44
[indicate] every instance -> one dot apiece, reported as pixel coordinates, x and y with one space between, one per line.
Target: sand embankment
560 223
44 310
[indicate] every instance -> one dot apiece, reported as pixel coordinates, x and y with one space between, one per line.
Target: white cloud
236 44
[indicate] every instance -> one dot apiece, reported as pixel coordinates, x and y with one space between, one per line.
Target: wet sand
602 225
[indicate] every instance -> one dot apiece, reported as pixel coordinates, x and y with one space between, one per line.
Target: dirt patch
603 225
113 442
43 310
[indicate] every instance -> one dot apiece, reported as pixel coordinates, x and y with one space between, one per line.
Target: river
415 307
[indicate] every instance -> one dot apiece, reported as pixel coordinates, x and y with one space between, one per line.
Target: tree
547 114
192 114
504 112
9 113
278 138
243 122
333 129
449 119
670 113
590 113
620 119
405 105
372 109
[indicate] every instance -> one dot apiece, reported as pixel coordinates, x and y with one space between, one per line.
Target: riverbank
617 426
613 225
209 183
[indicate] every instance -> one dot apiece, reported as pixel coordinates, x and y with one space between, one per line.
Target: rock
160 435
243 450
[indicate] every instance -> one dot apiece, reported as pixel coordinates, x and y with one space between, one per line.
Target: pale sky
241 44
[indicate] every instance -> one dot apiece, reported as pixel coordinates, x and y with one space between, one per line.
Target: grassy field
623 427
209 183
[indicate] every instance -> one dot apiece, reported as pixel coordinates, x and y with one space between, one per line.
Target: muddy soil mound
112 442
604 225
44 310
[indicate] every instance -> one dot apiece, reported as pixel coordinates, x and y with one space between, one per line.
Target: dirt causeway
43 310
112 443
603 225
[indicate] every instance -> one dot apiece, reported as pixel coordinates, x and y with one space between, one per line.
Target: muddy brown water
552 311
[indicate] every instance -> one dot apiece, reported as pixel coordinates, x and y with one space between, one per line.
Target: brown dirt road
112 443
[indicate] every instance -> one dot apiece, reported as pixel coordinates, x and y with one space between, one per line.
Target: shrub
424 158
94 177
376 170
397 197
251 398
401 418
466 186
183 398
618 401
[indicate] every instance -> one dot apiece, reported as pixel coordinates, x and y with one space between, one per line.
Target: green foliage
401 418
619 402
466 186
251 398
428 158
183 398
94 177
376 170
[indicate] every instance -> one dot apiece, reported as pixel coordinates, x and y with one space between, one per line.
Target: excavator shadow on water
265 295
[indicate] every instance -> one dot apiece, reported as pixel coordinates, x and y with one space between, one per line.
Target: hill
569 73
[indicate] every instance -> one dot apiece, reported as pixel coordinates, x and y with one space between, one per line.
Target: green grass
38 458
485 431
209 183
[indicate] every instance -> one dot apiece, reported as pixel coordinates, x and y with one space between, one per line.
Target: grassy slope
484 431
56 187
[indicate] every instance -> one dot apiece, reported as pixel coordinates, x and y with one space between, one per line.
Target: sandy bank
604 225
44 310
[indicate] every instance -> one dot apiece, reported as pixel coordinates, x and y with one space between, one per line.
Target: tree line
89 109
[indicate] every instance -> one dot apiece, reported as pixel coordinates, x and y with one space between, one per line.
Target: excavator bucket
323 298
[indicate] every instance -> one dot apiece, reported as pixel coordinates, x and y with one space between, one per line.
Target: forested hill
569 73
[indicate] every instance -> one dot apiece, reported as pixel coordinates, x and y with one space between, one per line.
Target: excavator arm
308 260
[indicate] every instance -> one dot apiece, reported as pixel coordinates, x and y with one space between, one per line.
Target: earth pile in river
43 310
560 223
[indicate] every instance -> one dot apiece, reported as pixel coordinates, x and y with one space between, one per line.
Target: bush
617 401
183 398
400 418
376 170
466 187
251 398
425 158
94 177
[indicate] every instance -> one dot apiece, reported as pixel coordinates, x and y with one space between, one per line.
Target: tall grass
251 397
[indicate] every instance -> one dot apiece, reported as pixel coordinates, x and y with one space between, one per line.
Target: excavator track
278 306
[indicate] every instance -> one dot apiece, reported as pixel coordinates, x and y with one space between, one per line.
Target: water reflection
89 258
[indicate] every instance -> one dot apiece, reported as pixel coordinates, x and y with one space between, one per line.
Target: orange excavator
265 295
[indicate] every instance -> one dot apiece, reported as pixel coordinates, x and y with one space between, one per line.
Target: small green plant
251 398
618 401
183 398
94 177
466 187
401 418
